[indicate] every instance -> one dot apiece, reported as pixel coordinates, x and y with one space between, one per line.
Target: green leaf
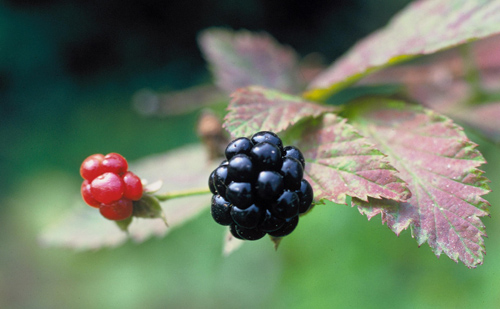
124 224
424 27
83 228
347 95
340 163
439 163
241 58
149 207
254 109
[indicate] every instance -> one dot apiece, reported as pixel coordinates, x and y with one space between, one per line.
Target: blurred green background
68 70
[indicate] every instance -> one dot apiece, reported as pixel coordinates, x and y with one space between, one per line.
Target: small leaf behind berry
148 207
254 109
152 187
124 224
439 163
340 163
241 58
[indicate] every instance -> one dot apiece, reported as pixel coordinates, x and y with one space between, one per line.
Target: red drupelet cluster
109 186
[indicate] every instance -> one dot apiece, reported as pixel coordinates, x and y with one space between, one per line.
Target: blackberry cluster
260 188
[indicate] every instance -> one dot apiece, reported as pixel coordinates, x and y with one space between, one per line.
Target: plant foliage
408 162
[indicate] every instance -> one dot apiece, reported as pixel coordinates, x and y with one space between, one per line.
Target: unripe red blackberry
109 186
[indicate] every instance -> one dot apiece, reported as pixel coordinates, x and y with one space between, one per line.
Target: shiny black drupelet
260 188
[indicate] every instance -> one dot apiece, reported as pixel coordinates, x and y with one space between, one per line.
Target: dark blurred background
60 60
68 70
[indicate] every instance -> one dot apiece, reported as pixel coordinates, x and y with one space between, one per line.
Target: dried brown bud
213 136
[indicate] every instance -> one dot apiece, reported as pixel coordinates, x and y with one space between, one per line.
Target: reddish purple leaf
439 163
454 102
440 84
340 162
424 27
397 215
256 109
241 58
482 117
442 68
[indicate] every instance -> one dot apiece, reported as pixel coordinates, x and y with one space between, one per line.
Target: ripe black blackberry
260 188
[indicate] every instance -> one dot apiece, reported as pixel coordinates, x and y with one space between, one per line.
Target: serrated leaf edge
372 151
268 94
480 180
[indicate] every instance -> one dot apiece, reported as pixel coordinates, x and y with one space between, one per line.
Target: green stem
176 194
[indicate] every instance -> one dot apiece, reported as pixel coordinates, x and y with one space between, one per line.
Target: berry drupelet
259 189
109 186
